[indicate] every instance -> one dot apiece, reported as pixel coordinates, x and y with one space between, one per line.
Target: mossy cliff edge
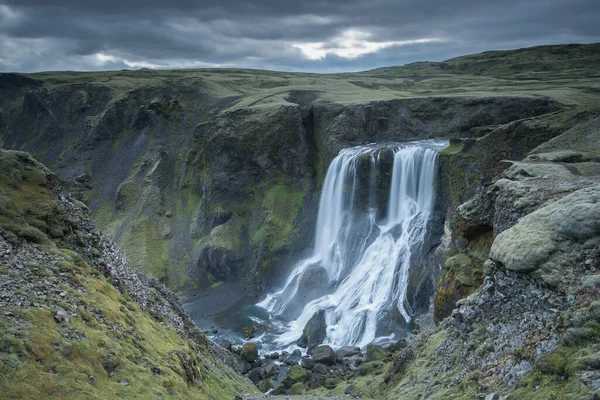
76 321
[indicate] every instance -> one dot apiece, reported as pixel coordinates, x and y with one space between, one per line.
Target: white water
367 260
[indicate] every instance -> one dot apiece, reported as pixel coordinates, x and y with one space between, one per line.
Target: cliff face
199 190
209 178
77 321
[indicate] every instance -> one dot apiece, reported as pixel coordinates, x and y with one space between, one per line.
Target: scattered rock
61 316
256 375
271 369
324 354
307 363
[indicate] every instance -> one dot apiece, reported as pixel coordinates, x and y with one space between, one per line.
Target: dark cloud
314 35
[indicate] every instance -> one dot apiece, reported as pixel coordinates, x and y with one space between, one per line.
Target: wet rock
313 284
324 354
307 363
256 375
271 369
315 331
346 351
292 359
226 344
249 352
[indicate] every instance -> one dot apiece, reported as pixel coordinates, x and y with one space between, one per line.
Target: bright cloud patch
352 44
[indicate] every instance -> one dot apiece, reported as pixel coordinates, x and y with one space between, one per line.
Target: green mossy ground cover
108 347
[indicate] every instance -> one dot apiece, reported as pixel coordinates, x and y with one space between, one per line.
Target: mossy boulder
249 352
376 353
324 355
562 225
298 388
296 374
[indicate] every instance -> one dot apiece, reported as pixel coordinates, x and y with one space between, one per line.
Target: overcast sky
313 35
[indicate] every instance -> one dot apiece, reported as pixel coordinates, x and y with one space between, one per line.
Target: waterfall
364 249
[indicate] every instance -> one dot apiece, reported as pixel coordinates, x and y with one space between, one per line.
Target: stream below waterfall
373 219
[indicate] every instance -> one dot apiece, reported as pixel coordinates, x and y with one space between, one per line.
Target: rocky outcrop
531 316
566 226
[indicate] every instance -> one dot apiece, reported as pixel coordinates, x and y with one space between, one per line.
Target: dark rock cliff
199 193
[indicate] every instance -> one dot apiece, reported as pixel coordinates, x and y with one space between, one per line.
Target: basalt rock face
77 317
408 119
199 191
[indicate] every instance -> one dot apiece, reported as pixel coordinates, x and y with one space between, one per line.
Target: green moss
554 363
278 207
298 388
146 248
296 374
26 207
37 361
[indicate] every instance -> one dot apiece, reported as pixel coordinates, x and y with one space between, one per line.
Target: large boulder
312 284
249 352
315 331
324 355
296 374
564 225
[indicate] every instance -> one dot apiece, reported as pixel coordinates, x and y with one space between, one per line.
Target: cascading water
364 249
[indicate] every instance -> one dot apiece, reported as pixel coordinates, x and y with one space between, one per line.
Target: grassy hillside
76 321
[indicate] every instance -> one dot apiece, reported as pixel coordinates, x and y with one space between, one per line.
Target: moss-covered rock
295 375
565 224
249 352
314 331
324 354
375 353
